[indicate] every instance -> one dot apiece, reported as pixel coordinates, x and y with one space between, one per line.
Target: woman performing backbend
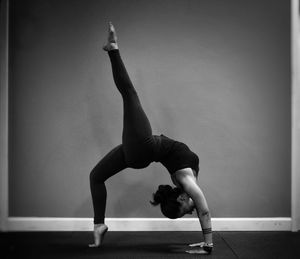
138 149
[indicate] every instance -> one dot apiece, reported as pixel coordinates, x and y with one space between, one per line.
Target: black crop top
175 155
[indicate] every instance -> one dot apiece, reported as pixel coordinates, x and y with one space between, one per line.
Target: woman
138 149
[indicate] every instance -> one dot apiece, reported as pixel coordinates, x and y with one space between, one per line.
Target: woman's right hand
99 232
197 244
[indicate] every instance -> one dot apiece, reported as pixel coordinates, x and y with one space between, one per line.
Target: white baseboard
147 224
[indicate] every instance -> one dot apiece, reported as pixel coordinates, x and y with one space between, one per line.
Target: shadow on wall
85 209
126 205
131 203
97 107
168 116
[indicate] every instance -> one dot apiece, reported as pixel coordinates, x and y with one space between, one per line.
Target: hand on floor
204 248
99 232
197 251
197 244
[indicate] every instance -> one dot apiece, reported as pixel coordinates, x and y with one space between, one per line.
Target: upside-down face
187 204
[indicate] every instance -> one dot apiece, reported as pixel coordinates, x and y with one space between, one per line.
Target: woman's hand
204 248
197 244
99 232
198 251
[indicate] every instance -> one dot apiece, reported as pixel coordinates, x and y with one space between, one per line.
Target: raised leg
136 124
137 132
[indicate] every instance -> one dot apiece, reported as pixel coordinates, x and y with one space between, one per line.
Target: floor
148 245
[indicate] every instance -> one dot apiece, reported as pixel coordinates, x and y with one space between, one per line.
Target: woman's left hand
203 248
197 251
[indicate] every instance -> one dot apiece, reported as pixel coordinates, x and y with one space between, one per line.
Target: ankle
99 225
113 45
110 46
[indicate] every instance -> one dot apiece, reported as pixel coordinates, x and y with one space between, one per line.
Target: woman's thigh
136 125
112 163
137 136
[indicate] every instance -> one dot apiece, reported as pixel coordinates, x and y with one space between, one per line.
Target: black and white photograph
150 129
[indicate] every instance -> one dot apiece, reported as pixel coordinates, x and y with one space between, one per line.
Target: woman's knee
95 177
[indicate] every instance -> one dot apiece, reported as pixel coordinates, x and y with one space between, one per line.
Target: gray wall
213 74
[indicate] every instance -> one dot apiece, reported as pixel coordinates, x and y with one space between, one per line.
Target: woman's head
174 202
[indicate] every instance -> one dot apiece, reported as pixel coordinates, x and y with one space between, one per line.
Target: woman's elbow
205 213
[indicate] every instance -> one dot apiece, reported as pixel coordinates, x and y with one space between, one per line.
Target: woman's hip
139 153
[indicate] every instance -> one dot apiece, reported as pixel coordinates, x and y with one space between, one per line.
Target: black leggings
136 150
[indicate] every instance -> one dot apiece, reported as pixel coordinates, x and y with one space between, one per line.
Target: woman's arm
190 186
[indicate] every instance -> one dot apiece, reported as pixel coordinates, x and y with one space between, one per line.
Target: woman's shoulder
180 175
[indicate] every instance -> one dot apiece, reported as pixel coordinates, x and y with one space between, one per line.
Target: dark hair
167 196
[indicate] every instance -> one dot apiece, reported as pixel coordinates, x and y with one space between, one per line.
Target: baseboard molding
147 224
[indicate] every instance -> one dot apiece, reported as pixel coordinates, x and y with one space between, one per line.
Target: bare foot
99 233
111 38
